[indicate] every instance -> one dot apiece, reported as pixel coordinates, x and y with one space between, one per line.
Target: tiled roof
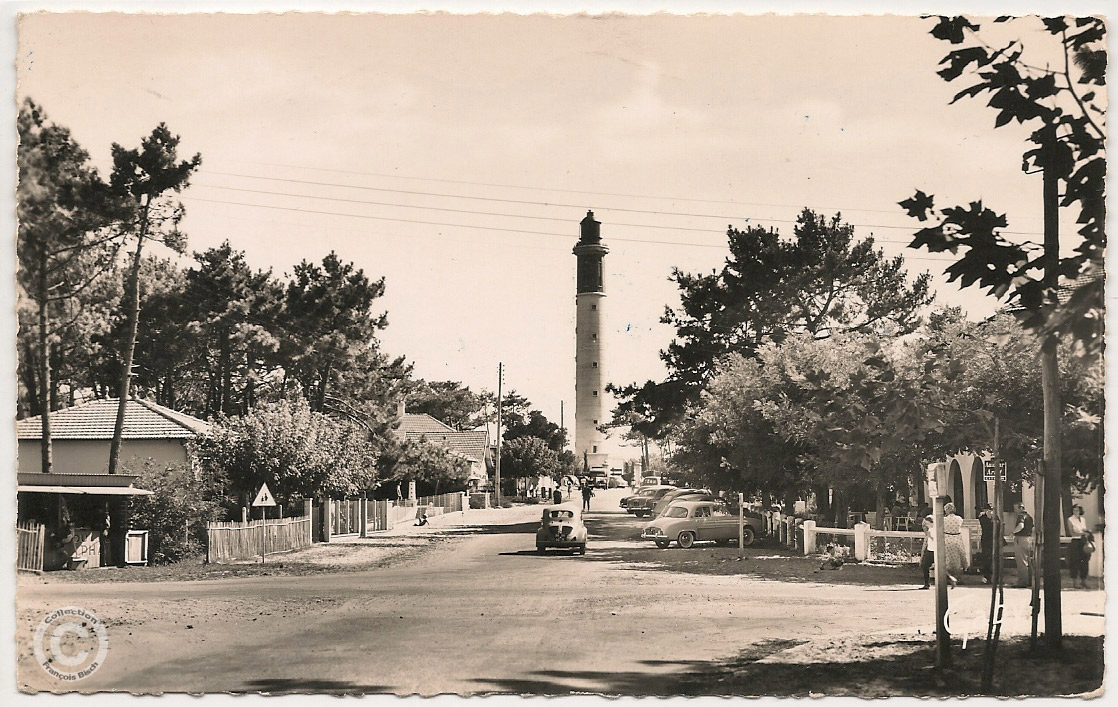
470 444
422 423
96 420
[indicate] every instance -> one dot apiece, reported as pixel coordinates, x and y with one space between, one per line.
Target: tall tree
328 323
449 402
821 282
1068 147
147 177
63 243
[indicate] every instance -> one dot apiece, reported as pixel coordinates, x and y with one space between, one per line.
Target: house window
594 365
595 393
595 422
593 308
595 449
593 337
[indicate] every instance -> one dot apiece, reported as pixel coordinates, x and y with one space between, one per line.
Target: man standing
1023 546
986 541
928 557
587 492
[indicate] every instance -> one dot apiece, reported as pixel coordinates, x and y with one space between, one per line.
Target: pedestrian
558 497
986 542
1023 546
927 557
955 555
1077 558
587 492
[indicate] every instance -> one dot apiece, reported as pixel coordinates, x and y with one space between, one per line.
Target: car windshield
646 492
675 512
660 492
562 515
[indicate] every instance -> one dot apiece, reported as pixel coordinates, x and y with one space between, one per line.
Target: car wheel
639 514
663 544
686 539
748 536
582 549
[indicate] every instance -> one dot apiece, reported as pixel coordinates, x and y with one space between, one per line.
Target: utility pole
1050 385
500 379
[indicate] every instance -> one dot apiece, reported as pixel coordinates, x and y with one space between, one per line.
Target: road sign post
264 499
741 525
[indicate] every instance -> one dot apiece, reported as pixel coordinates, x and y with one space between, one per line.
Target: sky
455 155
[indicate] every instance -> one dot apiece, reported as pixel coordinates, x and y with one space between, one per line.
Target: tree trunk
225 373
129 346
47 460
1050 385
822 500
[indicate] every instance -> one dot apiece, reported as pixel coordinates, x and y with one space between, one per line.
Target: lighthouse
590 296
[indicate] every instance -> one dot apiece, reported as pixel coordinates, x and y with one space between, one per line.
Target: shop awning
85 490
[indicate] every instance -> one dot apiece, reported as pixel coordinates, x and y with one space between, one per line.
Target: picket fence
246 540
29 554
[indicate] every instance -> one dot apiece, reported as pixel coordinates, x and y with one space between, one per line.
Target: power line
482 228
548 189
491 213
653 212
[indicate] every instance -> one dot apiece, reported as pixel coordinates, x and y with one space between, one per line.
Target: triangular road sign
264 498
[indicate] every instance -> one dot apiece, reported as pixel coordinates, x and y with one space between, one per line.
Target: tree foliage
449 402
1065 105
819 283
295 450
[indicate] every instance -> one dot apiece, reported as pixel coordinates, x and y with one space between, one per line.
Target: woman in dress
955 555
1077 558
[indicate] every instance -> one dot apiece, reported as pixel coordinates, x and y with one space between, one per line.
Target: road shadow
874 669
312 685
510 529
556 552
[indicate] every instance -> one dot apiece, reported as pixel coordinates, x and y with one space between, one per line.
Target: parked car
665 502
678 494
561 526
616 481
598 480
647 491
651 481
641 505
688 522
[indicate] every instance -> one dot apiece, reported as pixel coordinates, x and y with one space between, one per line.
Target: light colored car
644 492
561 526
688 522
651 481
684 494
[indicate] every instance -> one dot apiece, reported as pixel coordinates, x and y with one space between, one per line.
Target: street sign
997 466
264 498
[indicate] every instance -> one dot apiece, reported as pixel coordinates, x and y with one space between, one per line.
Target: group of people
1079 551
556 494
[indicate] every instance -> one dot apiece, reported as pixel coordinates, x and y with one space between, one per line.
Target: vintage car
647 491
561 526
688 494
651 481
641 505
688 522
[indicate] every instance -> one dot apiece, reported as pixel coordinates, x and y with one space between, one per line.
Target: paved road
481 614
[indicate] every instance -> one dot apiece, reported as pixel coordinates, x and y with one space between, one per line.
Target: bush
175 515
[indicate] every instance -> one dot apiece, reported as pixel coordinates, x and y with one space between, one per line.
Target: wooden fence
29 544
241 540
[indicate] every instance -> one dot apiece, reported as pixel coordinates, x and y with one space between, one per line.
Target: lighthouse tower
590 297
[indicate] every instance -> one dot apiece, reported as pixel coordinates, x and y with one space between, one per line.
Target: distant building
79 503
471 445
